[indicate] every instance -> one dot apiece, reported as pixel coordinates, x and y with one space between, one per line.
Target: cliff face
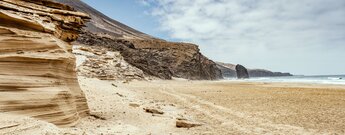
37 68
229 70
266 73
159 58
153 56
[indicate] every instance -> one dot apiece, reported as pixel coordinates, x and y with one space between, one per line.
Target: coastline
320 79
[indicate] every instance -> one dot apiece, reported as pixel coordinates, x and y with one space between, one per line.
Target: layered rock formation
153 56
37 68
99 62
242 72
229 71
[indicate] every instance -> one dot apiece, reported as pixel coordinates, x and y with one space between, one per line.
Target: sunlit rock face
37 68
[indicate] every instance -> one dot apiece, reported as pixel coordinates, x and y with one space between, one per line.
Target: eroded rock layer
159 58
102 63
154 56
37 68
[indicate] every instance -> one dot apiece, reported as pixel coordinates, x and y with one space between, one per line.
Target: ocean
319 79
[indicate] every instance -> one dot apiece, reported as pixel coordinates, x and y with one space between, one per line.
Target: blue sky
301 37
133 13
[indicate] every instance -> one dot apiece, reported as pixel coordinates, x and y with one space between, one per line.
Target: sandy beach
217 107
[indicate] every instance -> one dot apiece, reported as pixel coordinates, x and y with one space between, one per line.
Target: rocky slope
99 62
37 68
229 70
153 56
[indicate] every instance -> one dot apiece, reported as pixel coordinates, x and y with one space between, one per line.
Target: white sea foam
336 79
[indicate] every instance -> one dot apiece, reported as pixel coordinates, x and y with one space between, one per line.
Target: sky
303 37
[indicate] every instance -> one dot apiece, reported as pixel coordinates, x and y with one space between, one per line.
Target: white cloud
283 35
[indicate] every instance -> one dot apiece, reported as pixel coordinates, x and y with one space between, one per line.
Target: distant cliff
265 73
154 56
229 70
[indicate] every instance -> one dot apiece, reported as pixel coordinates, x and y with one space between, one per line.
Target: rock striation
99 62
155 57
37 68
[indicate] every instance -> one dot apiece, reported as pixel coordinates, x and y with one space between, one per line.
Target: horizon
309 40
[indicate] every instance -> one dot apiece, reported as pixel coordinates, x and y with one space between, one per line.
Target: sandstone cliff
155 57
37 68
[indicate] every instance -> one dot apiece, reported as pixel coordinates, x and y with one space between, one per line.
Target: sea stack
242 72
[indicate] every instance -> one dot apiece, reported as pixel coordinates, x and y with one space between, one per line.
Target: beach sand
220 107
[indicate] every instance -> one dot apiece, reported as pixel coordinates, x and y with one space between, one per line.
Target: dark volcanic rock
153 56
160 58
265 73
242 72
229 71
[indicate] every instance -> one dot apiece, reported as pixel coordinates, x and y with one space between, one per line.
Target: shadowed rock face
160 58
153 56
37 68
242 72
265 73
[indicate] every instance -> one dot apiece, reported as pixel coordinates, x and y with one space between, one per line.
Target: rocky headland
155 57
229 71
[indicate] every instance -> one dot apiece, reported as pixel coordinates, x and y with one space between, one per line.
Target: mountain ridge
101 23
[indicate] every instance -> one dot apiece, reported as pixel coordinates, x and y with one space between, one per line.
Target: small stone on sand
186 124
134 105
153 111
